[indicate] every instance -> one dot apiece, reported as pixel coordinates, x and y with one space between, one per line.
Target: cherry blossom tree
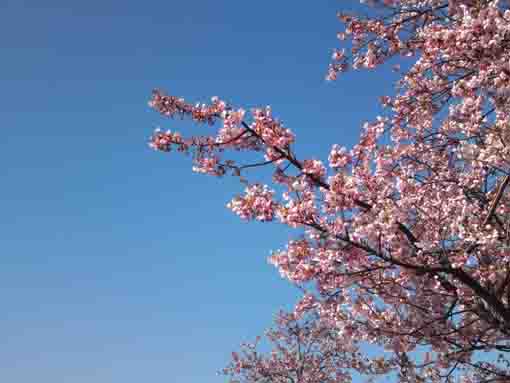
304 349
407 244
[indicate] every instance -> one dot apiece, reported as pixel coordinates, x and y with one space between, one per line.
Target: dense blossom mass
407 244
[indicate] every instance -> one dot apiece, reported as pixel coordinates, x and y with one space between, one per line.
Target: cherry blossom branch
495 203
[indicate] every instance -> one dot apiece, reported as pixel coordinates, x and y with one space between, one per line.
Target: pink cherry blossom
257 203
404 239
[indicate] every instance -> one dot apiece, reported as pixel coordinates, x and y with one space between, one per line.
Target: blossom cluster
256 203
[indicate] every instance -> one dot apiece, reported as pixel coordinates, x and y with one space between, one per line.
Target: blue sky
118 264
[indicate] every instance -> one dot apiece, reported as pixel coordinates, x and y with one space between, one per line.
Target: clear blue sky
118 264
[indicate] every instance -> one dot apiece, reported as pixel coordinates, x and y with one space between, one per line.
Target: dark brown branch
499 195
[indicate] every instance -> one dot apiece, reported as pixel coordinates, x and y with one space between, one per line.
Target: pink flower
339 157
257 203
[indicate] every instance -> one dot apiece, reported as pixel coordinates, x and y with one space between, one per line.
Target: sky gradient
118 264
